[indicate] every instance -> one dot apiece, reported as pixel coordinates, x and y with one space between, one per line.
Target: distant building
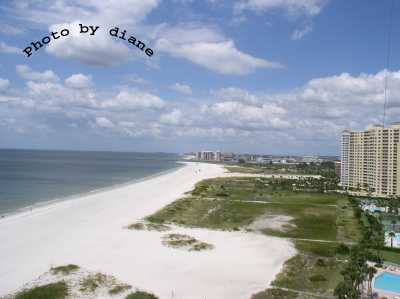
371 159
338 166
209 156
311 159
227 157
218 156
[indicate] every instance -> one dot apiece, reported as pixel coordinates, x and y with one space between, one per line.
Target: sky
248 76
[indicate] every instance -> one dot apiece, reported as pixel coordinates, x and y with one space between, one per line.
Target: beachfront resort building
214 156
370 160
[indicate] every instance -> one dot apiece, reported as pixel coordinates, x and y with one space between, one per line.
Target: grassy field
326 169
319 223
233 203
391 256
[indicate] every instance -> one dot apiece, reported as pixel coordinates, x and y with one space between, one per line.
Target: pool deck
382 293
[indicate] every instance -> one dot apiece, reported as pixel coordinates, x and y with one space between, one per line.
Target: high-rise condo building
371 160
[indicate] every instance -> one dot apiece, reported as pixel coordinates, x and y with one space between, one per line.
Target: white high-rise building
371 159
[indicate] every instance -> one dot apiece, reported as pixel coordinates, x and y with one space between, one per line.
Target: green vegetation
186 242
92 282
120 288
322 225
83 285
149 226
315 215
141 295
65 270
311 273
392 256
275 294
57 290
370 247
325 169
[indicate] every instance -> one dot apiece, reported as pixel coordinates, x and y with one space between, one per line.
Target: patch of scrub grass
275 294
137 226
65 270
213 214
310 273
57 290
141 295
185 242
310 222
261 189
92 282
323 249
313 213
348 226
242 169
149 226
120 288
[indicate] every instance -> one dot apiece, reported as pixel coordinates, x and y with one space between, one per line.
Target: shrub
65 270
317 278
57 290
141 295
320 263
119 289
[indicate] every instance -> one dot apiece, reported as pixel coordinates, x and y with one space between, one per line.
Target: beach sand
90 231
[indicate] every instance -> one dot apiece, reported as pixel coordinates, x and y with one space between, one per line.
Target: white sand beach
90 231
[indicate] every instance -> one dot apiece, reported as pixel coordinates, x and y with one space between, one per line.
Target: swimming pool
388 282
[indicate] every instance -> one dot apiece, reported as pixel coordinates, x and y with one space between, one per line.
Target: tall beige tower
371 159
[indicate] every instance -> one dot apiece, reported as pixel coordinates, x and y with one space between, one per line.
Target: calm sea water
29 178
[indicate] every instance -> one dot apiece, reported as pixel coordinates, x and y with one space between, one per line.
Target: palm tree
391 235
371 273
342 290
393 224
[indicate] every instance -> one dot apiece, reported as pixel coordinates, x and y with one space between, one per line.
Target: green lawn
391 256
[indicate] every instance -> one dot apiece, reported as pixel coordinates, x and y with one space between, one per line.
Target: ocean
30 178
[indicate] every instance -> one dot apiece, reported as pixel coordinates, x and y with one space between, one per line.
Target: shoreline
48 203
90 231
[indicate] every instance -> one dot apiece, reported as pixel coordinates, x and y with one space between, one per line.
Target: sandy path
89 231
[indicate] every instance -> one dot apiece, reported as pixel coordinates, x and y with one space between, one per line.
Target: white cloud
4 48
235 94
182 88
133 100
96 12
104 122
293 7
27 73
172 118
209 48
312 114
78 81
265 116
4 83
99 49
134 78
212 132
300 33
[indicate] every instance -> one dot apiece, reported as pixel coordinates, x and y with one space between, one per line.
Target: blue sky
263 76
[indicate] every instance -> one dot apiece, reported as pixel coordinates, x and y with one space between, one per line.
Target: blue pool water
388 282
